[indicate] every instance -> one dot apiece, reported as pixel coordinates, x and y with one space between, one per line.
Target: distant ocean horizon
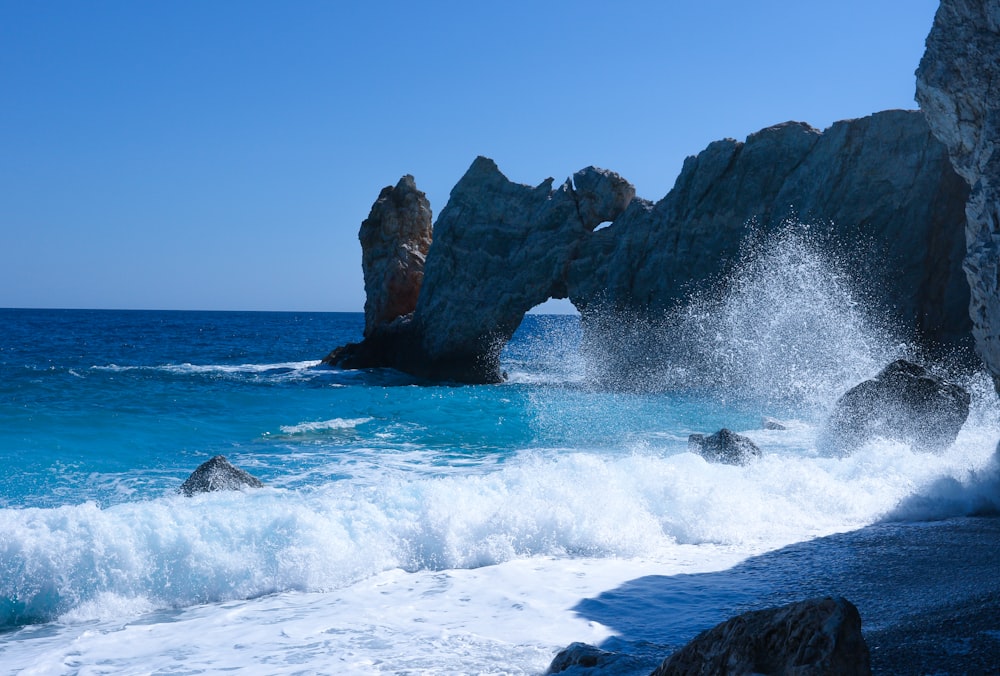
415 527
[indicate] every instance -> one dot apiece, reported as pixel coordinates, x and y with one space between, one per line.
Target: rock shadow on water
928 594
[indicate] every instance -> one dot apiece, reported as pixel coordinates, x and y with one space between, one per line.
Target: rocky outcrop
816 637
905 402
958 88
725 446
218 474
880 190
394 239
394 242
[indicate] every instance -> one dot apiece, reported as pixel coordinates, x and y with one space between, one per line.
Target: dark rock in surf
905 402
772 424
815 637
725 446
958 88
218 474
578 656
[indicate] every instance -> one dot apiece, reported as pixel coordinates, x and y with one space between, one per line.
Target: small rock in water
816 637
905 402
724 446
218 474
772 424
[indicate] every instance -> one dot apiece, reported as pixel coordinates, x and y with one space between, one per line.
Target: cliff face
958 87
882 187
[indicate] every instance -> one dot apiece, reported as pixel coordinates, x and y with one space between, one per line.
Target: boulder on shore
724 446
218 474
815 637
904 401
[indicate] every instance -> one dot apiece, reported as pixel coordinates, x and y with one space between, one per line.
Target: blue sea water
412 527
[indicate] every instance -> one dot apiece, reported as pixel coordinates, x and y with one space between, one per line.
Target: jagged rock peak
394 242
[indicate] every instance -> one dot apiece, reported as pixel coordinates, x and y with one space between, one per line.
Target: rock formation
816 637
905 402
958 88
218 474
724 446
881 188
394 242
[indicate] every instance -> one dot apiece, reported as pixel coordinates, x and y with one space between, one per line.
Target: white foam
177 552
229 369
324 425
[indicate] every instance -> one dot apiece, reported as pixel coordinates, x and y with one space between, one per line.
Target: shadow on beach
928 593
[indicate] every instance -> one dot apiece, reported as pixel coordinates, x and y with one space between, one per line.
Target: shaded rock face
394 242
218 474
905 402
724 446
882 186
816 637
958 88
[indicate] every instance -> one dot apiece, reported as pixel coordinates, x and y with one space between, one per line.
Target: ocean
412 527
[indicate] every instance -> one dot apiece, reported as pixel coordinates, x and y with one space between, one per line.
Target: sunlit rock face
878 191
394 242
958 88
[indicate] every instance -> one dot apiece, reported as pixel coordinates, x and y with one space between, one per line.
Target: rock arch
883 186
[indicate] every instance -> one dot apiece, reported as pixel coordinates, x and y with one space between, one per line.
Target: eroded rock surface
394 242
958 88
816 637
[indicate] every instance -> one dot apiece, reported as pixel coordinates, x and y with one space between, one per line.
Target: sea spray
785 327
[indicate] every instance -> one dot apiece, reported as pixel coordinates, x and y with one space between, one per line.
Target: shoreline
928 594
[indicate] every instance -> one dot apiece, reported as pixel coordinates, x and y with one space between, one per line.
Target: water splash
786 327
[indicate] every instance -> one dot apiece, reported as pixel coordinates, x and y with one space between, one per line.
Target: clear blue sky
221 155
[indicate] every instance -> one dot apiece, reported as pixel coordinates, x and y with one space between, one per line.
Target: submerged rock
724 446
772 424
904 401
816 637
218 474
958 88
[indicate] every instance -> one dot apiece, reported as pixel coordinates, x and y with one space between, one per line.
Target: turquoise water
408 523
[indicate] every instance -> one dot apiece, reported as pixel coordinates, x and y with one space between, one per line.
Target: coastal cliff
958 87
880 190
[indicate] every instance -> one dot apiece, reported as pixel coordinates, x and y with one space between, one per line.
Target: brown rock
394 242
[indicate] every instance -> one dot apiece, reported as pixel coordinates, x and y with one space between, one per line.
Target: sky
221 155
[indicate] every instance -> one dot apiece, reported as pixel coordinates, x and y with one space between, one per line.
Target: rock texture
724 446
816 637
218 474
394 242
958 88
904 401
880 189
